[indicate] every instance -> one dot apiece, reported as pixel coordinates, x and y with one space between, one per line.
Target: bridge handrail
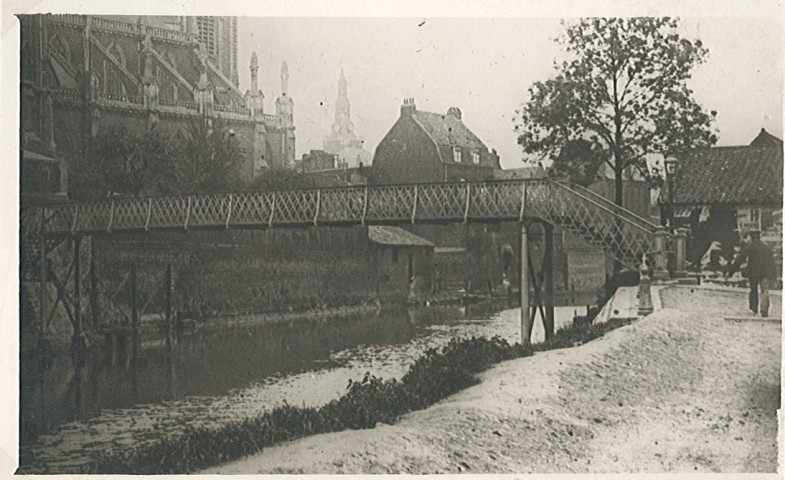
612 205
602 224
619 212
173 206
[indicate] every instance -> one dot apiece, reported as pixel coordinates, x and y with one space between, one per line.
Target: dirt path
680 391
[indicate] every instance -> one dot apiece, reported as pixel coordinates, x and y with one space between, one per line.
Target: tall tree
625 85
579 161
126 163
210 157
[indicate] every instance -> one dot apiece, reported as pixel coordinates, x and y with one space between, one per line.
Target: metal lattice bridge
620 233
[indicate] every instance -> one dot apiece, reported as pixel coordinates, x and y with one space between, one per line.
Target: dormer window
456 154
476 157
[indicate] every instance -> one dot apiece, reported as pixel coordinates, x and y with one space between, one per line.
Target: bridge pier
130 360
77 297
547 267
94 307
540 282
168 329
42 290
526 321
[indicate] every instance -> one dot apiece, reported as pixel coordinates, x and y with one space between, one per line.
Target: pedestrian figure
760 271
712 260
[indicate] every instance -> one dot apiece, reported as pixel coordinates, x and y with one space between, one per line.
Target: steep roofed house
432 147
721 192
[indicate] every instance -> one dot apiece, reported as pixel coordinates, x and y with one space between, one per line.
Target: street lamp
670 174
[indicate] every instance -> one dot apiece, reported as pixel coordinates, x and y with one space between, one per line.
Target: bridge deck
621 233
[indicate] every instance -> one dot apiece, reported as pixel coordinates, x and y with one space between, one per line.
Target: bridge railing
614 229
628 215
357 204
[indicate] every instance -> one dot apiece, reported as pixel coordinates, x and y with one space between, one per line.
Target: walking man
760 271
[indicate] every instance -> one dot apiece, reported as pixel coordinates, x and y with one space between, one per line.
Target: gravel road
680 391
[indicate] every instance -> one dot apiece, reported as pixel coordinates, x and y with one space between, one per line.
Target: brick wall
406 155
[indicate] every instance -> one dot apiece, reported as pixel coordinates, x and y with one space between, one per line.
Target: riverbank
384 345
682 390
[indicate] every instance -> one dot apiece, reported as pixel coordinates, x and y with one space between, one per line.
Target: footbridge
621 234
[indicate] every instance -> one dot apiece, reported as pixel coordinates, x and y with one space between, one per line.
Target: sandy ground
680 391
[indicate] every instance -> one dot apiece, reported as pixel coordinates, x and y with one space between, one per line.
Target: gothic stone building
432 147
81 74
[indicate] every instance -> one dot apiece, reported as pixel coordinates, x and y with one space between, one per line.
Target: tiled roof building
722 192
765 139
432 147
746 175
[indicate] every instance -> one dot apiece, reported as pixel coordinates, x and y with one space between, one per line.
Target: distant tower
284 110
342 135
284 104
254 98
219 36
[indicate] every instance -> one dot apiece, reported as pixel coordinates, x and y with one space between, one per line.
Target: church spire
284 79
254 70
343 134
342 110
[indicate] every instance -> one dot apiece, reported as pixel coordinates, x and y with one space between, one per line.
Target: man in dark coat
760 271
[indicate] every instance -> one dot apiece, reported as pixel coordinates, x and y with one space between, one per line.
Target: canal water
216 375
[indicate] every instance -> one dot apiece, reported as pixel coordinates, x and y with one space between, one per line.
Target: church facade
81 74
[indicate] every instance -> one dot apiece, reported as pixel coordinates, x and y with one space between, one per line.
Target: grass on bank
432 377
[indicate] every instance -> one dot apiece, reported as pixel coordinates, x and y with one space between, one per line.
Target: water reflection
209 360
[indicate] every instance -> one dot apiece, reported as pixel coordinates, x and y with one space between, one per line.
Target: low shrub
432 377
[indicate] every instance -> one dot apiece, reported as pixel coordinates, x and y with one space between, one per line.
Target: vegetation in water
367 402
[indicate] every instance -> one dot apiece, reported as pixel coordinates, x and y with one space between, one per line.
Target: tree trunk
618 184
618 197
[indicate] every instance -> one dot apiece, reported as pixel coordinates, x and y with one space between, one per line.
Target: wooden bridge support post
168 306
134 316
526 322
548 279
78 342
168 329
77 338
660 255
43 292
94 307
681 253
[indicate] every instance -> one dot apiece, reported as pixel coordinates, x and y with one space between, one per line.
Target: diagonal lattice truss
619 232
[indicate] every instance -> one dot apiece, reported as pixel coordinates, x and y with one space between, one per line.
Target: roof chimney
408 108
454 112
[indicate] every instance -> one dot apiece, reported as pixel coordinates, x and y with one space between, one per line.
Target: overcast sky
484 66
482 62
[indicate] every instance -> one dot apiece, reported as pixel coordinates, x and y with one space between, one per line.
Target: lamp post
670 173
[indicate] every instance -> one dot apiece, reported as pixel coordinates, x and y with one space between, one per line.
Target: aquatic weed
367 402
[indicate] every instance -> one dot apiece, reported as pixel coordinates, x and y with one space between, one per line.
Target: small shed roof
386 235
